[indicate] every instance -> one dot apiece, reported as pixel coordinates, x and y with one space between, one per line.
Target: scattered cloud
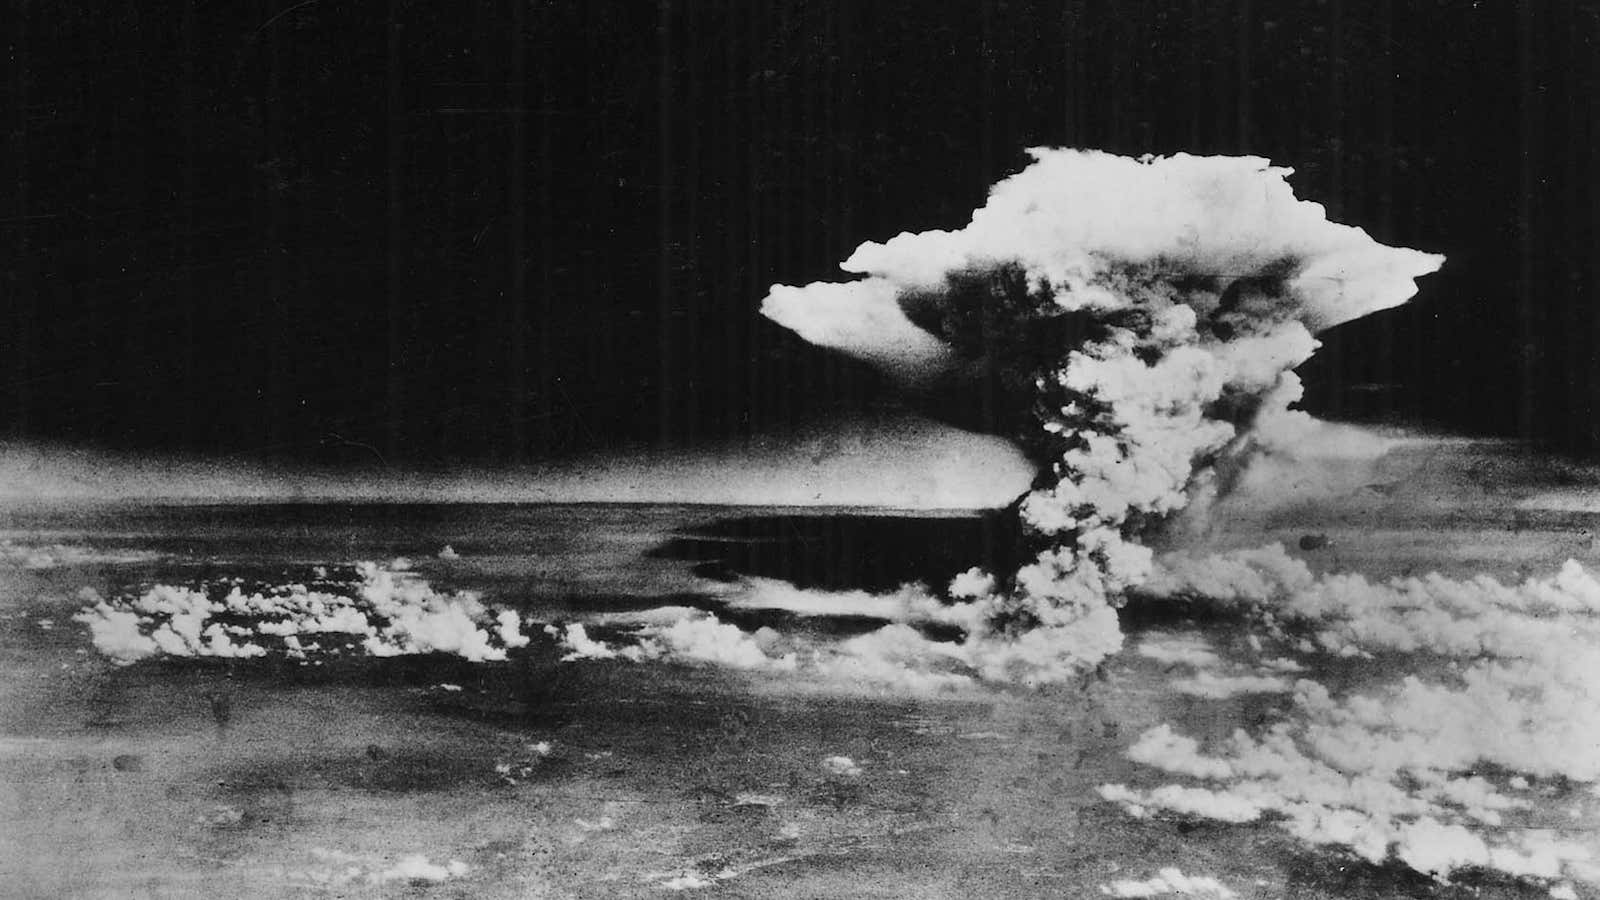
1169 881
1458 750
383 611
842 766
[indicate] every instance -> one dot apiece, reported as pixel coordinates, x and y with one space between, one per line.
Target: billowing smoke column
1135 323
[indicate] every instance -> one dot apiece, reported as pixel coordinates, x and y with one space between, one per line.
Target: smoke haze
896 461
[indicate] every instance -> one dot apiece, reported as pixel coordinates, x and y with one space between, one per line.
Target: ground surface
207 778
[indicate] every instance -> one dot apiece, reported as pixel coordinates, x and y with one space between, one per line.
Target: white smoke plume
1140 319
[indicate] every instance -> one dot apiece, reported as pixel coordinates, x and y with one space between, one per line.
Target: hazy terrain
427 774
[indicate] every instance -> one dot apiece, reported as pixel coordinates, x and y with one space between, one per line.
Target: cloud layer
1468 742
376 611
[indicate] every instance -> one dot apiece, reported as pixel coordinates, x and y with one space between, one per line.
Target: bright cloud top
1140 319
1063 217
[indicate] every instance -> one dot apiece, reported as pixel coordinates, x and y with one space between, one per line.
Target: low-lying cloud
371 610
1467 743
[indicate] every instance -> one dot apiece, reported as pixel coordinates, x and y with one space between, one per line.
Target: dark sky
495 231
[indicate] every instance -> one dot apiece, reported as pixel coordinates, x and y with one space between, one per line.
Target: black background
502 231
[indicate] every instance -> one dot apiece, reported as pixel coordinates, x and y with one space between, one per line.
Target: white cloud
510 629
416 867
889 459
1221 687
842 766
910 603
50 556
896 657
1207 279
1480 692
686 882
1200 802
863 319
1169 881
116 632
1070 209
388 612
338 869
695 638
708 640
1187 650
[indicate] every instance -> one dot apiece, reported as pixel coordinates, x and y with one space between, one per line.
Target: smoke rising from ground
1136 323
